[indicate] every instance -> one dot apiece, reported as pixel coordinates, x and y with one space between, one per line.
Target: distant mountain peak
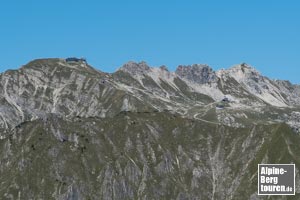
244 67
242 72
135 68
197 73
49 65
164 68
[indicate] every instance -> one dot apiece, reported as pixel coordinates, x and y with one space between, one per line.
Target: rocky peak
244 68
197 73
40 64
285 83
164 68
244 72
60 66
135 68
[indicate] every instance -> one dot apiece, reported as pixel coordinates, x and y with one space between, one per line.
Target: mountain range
70 131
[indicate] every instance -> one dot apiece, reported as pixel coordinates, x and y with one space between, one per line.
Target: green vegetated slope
152 155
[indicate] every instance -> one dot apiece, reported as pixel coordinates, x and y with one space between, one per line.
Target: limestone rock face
69 131
197 73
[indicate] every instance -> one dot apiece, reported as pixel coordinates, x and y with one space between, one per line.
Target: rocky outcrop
197 73
135 68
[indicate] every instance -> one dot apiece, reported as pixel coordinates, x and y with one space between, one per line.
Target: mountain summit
135 68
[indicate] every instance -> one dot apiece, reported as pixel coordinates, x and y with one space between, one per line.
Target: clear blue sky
263 33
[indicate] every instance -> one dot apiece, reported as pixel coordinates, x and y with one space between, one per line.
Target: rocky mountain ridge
76 89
